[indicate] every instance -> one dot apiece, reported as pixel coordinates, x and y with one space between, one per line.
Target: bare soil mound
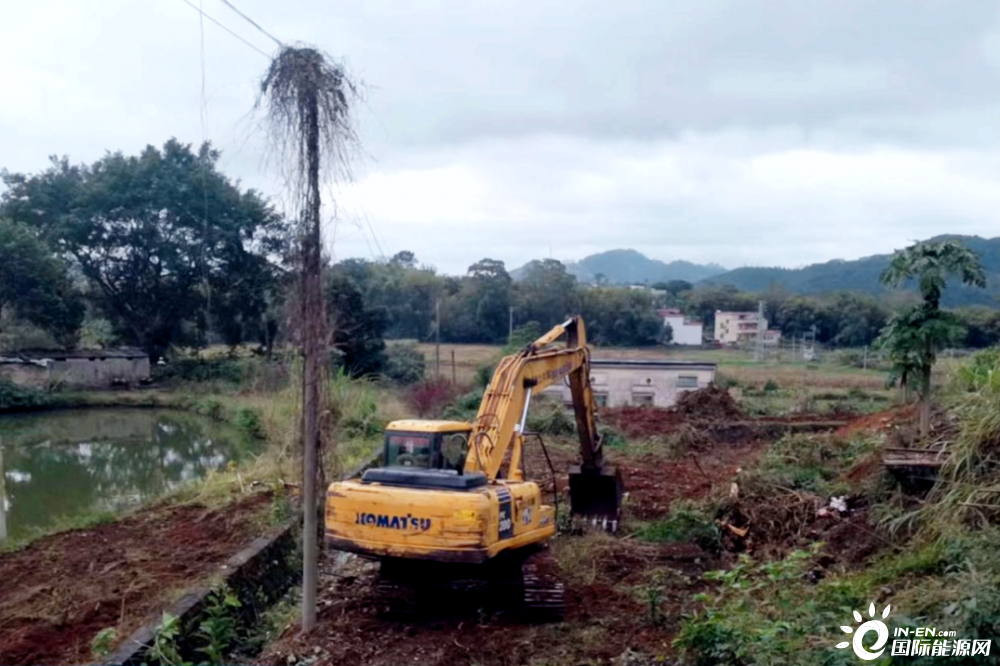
712 405
708 404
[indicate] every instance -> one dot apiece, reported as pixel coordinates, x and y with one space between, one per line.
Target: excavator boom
595 489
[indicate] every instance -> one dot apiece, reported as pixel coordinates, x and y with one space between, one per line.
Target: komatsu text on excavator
451 508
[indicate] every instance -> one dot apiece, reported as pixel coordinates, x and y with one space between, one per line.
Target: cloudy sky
745 133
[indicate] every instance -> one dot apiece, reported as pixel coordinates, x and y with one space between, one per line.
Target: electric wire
252 22
197 9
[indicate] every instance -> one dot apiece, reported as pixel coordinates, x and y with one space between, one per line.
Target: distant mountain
862 275
632 267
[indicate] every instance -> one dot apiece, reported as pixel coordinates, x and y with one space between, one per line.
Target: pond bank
62 590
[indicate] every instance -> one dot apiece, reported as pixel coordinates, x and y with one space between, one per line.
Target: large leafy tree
914 336
622 317
357 329
35 285
163 236
488 295
547 293
852 320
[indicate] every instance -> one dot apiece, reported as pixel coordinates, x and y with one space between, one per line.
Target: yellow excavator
451 509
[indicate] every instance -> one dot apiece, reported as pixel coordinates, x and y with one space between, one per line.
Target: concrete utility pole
309 100
510 323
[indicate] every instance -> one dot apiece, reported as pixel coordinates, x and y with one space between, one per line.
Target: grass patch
813 463
81 521
685 525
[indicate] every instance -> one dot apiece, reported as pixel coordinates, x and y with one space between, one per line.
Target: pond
70 462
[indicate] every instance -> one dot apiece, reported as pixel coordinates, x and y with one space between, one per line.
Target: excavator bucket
596 495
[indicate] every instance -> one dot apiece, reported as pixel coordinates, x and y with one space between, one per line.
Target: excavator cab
425 455
426 444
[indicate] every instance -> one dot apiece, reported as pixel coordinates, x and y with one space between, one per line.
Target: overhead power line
252 22
198 9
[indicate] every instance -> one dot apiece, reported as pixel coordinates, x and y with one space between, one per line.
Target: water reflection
69 462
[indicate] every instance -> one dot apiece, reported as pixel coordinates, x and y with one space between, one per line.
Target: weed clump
685 525
15 398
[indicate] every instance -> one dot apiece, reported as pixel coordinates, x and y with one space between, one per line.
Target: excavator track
525 585
543 592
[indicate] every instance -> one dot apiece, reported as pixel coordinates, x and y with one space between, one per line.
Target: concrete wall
655 386
83 372
25 374
683 333
100 372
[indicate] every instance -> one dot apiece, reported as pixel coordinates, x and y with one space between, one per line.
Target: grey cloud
653 69
589 125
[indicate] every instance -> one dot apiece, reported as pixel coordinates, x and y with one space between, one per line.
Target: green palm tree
912 338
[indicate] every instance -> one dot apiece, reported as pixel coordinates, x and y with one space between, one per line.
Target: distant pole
759 350
864 362
454 380
510 323
437 338
3 500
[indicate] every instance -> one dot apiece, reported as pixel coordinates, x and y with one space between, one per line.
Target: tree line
161 249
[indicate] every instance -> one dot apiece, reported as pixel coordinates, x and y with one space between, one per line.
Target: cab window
454 448
408 451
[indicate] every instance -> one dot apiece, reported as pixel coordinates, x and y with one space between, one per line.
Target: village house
640 382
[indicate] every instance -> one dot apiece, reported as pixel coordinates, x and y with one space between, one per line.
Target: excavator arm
498 431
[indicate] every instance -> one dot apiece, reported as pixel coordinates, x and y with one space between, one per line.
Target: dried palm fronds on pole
308 100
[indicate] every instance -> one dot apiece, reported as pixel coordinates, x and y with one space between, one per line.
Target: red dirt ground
608 585
879 421
61 590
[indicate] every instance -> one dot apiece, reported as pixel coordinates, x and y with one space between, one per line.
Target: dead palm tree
309 99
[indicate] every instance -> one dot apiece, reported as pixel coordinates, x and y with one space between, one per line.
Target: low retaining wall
259 575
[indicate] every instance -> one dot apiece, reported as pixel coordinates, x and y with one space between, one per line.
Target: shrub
809 462
464 407
14 397
354 406
248 419
611 437
550 418
228 370
429 397
770 386
484 374
685 525
405 364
